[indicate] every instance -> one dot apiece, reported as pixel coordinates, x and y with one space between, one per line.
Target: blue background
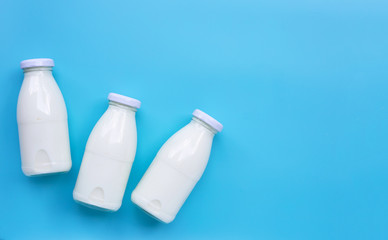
300 86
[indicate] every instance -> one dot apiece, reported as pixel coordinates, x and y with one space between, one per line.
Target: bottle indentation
42 160
97 195
155 205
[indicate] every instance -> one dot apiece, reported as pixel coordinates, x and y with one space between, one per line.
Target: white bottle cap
208 119
37 62
124 100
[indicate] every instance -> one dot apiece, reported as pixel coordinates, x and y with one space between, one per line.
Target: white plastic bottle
177 168
108 156
42 121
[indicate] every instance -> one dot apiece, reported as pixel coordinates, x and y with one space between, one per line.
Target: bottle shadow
145 218
48 180
93 213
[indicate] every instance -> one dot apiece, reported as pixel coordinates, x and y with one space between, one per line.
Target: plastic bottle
177 168
42 121
108 156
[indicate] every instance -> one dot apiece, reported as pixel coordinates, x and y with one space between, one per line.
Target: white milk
108 156
176 168
42 121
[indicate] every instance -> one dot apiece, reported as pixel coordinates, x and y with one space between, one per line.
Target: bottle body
108 159
42 124
174 172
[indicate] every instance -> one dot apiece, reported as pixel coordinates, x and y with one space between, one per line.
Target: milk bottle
42 121
108 156
176 168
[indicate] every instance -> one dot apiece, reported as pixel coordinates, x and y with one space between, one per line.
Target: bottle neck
38 71
204 125
120 106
